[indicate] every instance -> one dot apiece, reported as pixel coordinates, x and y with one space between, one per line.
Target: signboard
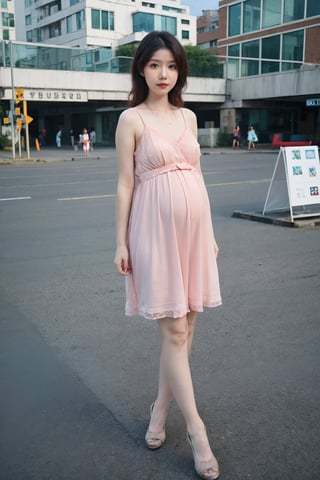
47 95
313 102
295 184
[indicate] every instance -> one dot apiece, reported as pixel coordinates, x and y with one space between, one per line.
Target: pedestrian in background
172 274
236 135
59 138
85 142
252 138
92 136
72 138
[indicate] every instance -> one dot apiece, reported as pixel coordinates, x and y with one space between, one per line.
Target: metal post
25 114
12 103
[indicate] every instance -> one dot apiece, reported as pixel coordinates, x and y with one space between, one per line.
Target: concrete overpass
75 99
87 86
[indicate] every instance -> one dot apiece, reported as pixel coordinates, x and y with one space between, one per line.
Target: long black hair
150 44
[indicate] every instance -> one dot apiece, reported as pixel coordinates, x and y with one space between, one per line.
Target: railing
51 57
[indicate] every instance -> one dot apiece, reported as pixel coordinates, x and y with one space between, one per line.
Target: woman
165 243
236 137
85 142
251 138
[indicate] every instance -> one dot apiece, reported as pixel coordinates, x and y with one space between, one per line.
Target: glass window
250 49
269 67
185 22
271 13
27 3
251 15
7 19
4 4
234 50
271 47
292 46
234 19
95 18
164 23
111 20
249 67
80 19
5 34
27 20
293 10
285 66
143 22
104 20
185 34
313 8
69 24
73 2
232 68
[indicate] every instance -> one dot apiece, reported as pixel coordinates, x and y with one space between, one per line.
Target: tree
126 50
202 63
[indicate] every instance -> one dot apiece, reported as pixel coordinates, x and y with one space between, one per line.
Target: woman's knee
175 330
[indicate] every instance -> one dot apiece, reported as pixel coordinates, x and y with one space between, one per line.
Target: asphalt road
77 376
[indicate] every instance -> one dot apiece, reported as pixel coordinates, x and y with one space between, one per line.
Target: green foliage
126 50
202 63
224 139
4 142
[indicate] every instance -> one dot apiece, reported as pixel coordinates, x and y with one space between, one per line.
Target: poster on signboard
295 181
303 175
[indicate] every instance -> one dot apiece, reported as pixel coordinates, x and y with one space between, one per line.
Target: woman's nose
163 72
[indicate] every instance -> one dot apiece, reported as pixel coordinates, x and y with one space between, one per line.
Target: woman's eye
153 65
173 67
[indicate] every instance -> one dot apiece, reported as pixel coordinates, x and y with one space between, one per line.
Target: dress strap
141 118
184 118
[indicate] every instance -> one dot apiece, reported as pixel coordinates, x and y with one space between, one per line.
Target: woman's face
161 72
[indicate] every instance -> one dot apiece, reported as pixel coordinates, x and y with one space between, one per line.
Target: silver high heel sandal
204 467
155 440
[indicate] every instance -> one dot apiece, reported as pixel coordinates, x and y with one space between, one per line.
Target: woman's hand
121 260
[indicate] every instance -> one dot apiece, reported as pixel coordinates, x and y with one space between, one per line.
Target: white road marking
14 198
88 197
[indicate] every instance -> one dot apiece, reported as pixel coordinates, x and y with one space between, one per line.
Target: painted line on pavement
87 197
225 184
111 195
14 198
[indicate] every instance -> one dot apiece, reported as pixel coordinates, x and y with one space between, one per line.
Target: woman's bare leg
164 397
175 379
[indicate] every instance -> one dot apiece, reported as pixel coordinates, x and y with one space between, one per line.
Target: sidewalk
53 154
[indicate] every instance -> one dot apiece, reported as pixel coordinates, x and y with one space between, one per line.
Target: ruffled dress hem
172 313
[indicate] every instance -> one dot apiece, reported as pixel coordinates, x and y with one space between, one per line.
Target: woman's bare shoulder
128 116
190 116
191 119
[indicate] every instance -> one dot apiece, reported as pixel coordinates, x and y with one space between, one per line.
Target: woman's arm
125 146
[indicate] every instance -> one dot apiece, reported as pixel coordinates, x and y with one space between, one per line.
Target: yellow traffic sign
17 110
19 95
28 119
19 124
6 120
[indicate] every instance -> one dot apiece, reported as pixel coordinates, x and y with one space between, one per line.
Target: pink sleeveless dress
170 236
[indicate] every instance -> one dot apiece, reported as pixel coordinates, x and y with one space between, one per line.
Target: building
207 30
263 36
91 23
271 51
7 21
